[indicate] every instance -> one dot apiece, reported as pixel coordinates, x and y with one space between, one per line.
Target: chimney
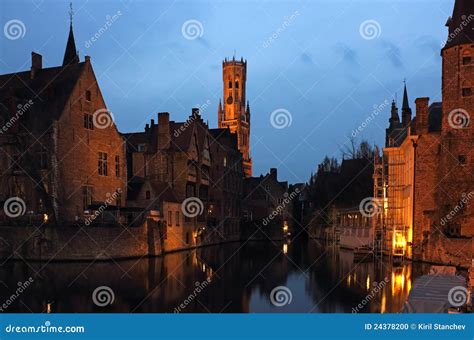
422 106
36 64
87 59
163 130
274 173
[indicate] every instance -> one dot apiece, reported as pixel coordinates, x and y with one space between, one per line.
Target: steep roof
461 24
49 90
70 54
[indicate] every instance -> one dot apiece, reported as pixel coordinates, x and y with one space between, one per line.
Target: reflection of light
368 282
48 307
349 280
285 248
45 218
399 243
285 226
383 303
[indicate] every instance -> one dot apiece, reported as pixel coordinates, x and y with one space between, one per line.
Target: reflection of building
235 115
355 229
428 160
60 150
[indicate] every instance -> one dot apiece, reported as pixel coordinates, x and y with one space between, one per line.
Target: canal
230 278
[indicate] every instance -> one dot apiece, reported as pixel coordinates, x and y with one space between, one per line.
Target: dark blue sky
312 58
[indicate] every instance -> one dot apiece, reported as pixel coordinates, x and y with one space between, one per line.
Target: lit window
102 164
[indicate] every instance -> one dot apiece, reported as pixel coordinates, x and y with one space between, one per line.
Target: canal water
251 277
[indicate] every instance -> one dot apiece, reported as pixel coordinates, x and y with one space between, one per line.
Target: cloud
349 55
306 59
393 53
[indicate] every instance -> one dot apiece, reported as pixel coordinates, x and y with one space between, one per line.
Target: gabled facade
60 150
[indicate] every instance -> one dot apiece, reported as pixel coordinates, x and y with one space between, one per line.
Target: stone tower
234 113
457 133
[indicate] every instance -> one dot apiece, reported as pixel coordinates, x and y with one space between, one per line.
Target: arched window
237 83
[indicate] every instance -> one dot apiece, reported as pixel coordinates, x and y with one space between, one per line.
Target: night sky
313 59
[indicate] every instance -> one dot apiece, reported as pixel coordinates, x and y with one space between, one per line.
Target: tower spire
406 110
70 55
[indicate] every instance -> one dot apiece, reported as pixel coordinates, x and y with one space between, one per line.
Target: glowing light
45 218
368 283
285 248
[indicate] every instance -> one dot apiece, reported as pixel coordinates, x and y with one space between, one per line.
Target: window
102 164
466 60
88 96
466 92
141 147
117 166
225 161
88 121
230 84
147 195
237 84
170 218
462 159
177 219
86 197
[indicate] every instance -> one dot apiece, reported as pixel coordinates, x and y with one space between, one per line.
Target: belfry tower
235 114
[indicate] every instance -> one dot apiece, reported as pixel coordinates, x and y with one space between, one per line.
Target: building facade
235 113
60 151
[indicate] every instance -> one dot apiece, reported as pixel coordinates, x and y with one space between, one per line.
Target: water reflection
322 279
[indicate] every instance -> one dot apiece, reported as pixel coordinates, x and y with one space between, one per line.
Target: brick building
227 175
60 151
429 160
235 115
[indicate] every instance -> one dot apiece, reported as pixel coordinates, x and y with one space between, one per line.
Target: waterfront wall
93 243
